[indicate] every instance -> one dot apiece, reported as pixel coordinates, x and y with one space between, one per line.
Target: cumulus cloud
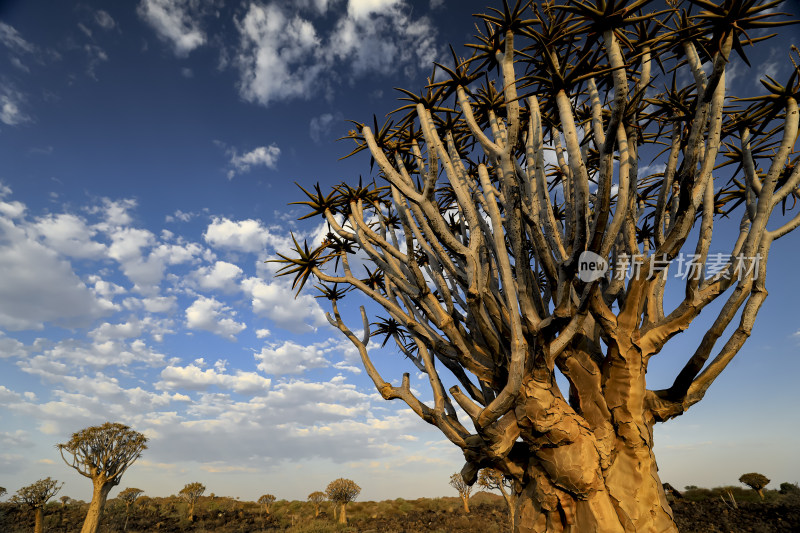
222 276
208 314
115 212
193 377
38 286
284 56
70 235
176 21
266 156
277 302
273 58
143 260
11 348
61 357
291 358
241 236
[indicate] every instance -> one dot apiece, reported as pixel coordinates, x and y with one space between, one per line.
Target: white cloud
193 377
211 315
115 212
273 59
277 302
175 21
261 156
11 347
13 209
61 358
143 260
283 57
179 215
38 286
69 235
123 330
221 276
242 236
11 113
320 126
104 20
12 39
292 358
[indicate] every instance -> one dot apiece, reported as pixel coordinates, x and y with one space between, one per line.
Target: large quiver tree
511 183
103 454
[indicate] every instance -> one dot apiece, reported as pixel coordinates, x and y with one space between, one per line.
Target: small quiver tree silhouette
755 481
129 496
191 492
266 501
3 491
458 483
493 479
36 497
103 454
317 498
341 492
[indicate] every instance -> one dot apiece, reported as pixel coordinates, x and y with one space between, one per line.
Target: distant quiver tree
755 481
491 479
129 496
103 454
458 483
266 500
545 207
36 496
341 492
191 492
317 497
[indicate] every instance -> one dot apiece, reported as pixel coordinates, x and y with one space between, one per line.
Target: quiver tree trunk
343 513
38 526
581 472
98 503
511 499
465 501
191 512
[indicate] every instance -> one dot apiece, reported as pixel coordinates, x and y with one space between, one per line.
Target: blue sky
148 151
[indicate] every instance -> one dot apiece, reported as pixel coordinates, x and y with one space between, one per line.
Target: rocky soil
429 515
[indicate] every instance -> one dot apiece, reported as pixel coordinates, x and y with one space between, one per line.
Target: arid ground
699 511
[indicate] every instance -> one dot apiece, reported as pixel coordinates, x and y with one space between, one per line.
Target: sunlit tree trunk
38 526
343 513
98 503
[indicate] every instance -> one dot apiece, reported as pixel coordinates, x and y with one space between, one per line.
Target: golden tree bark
99 496
38 526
